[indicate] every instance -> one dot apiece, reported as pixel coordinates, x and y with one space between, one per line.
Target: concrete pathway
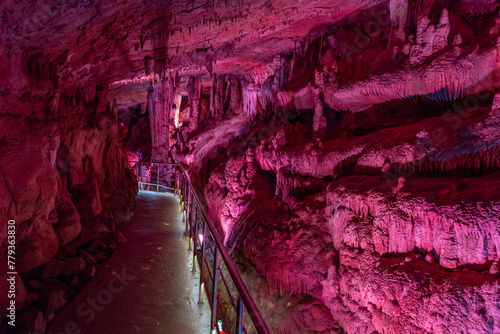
146 286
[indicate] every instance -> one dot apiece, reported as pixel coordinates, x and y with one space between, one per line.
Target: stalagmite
194 95
399 12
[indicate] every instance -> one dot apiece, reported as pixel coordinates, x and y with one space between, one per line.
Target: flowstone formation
348 151
356 179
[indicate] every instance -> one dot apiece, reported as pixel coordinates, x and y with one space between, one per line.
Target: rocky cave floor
49 288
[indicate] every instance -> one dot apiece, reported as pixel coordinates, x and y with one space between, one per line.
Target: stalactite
398 12
194 97
160 99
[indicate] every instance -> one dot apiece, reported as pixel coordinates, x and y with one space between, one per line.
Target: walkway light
219 324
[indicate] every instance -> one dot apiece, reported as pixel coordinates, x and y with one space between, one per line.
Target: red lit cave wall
356 179
348 150
138 136
64 176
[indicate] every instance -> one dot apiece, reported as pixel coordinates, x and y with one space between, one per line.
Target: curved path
146 286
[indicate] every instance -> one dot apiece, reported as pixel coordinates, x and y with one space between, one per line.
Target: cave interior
348 152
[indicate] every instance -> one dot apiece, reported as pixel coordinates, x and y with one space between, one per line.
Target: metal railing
229 298
159 176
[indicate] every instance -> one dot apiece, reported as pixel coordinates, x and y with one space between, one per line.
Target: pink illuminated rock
494 270
33 320
55 303
73 266
429 259
89 272
114 239
37 248
53 268
366 219
348 151
68 225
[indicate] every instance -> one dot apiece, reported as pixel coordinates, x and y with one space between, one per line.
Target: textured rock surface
64 176
349 151
363 202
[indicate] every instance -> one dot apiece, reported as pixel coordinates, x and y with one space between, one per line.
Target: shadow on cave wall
137 140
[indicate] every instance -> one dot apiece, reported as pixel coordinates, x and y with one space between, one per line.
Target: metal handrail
156 185
191 206
152 162
246 298
140 178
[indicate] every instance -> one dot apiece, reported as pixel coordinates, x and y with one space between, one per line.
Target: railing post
157 178
202 263
183 211
214 293
193 212
178 182
183 181
195 239
182 207
179 186
185 190
137 173
174 185
191 225
239 315
140 174
187 217
191 207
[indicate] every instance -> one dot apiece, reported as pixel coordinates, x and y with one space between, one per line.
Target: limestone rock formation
348 151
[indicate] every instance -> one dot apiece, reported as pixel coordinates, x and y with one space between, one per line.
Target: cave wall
137 140
65 179
356 179
347 150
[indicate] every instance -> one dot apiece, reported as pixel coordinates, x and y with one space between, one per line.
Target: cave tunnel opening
137 140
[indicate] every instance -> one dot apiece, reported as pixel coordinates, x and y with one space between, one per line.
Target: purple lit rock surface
348 151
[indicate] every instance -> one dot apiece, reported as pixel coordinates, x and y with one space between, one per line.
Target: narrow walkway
153 289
